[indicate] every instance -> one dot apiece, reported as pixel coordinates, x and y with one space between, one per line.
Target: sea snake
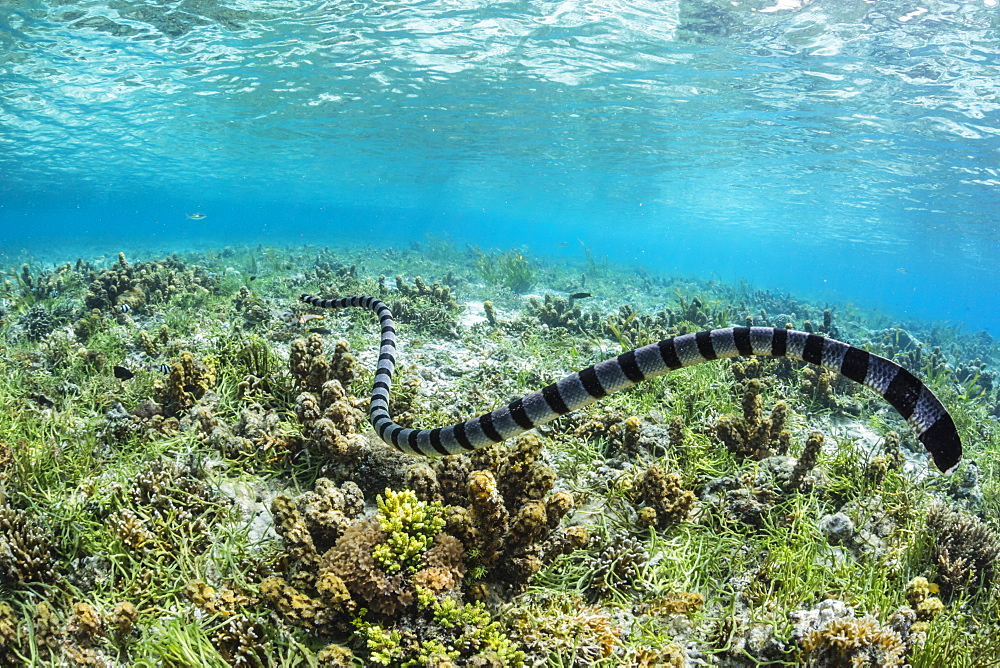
923 411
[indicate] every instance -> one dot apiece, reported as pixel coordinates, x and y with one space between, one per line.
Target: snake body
933 425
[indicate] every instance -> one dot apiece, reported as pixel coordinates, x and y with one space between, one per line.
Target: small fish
306 317
124 308
163 367
580 295
562 244
319 330
42 400
197 216
903 270
121 373
253 278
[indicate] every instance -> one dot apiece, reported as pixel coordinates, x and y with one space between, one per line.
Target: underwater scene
563 333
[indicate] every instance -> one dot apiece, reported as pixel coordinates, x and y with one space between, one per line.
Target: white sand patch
473 314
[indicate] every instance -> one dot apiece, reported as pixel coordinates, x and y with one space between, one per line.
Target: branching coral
436 292
663 497
622 435
10 635
754 435
27 551
564 630
330 415
831 636
511 520
189 380
311 369
618 565
146 283
965 550
806 461
556 312
410 526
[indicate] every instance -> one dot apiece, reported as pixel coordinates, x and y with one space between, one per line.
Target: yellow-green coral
411 525
918 595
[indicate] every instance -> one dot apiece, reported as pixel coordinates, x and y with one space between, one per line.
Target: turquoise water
840 149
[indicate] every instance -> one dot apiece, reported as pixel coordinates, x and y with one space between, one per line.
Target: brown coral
850 641
189 380
806 461
147 283
311 368
665 500
754 436
965 550
26 549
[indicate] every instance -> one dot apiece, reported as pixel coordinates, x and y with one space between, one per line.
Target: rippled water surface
839 146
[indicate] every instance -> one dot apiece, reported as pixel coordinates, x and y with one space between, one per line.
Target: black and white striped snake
923 411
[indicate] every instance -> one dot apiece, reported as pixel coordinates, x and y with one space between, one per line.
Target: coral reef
832 636
37 323
252 309
564 628
740 500
623 435
142 283
754 436
617 565
503 509
431 309
436 292
806 461
188 382
399 562
556 312
27 550
311 369
964 552
664 500
134 524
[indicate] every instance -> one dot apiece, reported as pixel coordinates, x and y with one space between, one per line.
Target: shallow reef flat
188 476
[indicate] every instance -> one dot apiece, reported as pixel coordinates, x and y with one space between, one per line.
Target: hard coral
806 461
26 549
509 517
353 559
10 636
665 500
146 282
410 526
335 432
621 434
436 292
754 435
965 550
311 369
189 380
831 636
618 565
555 312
